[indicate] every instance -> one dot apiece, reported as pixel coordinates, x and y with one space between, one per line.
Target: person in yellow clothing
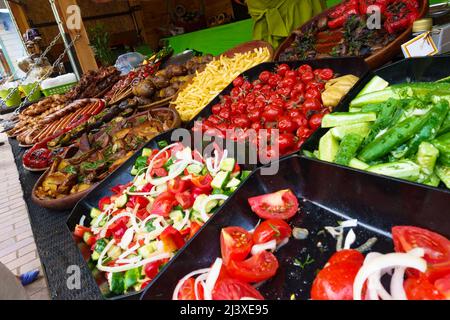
275 19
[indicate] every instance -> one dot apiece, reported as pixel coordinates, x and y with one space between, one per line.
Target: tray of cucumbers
393 126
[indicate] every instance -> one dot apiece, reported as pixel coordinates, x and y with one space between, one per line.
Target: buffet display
353 145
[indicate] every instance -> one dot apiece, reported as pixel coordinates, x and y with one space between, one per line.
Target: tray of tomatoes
287 97
291 236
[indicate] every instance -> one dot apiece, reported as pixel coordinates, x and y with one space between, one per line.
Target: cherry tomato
233 289
282 204
239 81
315 121
282 69
272 229
304 132
291 74
299 121
326 74
163 204
313 93
225 113
304 68
286 125
216 109
272 112
257 268
264 76
254 115
285 142
241 121
235 244
311 105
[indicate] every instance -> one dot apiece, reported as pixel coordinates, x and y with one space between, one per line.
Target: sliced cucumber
147 152
354 110
198 203
121 201
86 236
147 250
346 118
211 205
228 164
358 164
95 256
361 129
233 183
114 252
95 213
328 147
407 170
375 84
220 180
176 216
194 169
134 171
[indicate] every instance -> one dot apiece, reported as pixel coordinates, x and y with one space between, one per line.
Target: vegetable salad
402 131
139 228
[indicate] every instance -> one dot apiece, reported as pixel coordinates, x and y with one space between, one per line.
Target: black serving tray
423 69
340 66
123 176
327 195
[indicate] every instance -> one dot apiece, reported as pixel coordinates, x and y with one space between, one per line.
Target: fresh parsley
305 263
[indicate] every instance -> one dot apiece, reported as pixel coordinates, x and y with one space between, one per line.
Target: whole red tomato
307 76
304 132
299 121
282 69
286 125
239 81
264 76
313 93
286 142
272 112
311 105
304 68
315 121
241 121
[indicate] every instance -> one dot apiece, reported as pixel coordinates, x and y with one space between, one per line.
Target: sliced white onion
130 260
397 290
184 155
134 265
349 223
204 215
257 225
186 277
374 286
82 219
349 239
248 299
389 260
211 280
283 242
175 170
180 225
126 239
200 280
257 248
129 251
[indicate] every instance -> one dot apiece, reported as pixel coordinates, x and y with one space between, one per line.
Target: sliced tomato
233 289
235 244
159 161
443 285
134 201
272 229
335 282
195 227
278 205
163 204
347 255
80 230
437 248
152 269
185 199
202 182
159 172
259 267
420 288
187 290
104 202
177 185
172 239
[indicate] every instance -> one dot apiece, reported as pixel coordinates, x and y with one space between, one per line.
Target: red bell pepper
172 239
339 22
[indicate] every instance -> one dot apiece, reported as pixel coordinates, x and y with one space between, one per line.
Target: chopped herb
70 169
301 264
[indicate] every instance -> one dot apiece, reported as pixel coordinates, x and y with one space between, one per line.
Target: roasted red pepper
339 22
400 14
365 4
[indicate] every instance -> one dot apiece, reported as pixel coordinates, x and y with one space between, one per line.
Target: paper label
420 46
